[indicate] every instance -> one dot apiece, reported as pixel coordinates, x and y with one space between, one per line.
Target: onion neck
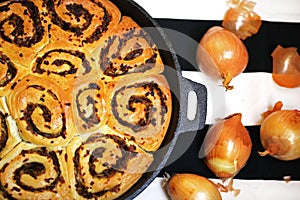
226 80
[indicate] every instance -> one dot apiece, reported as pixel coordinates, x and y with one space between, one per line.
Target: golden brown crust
9 136
104 165
42 111
127 50
140 107
34 172
61 63
66 132
10 72
89 108
82 23
23 30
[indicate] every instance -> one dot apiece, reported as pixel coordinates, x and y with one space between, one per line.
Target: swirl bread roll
81 22
34 172
9 136
140 108
62 64
23 29
9 73
83 102
127 50
104 165
89 108
43 112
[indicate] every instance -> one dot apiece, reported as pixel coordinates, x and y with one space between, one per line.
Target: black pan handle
185 124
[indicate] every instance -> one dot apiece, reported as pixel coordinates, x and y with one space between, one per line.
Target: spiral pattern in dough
9 72
89 104
128 50
23 29
32 172
9 136
140 108
81 22
42 112
103 165
61 64
83 101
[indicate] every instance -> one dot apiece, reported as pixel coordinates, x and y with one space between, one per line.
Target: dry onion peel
241 19
280 134
287 179
278 106
286 66
222 55
227 147
191 186
228 188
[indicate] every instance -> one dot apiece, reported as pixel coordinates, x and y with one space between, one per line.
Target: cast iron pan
180 88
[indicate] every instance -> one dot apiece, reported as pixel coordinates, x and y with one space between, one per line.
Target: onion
227 147
241 19
286 67
192 186
221 55
280 134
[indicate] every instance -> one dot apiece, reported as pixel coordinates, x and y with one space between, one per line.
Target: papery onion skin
242 20
227 147
192 186
222 55
286 67
280 135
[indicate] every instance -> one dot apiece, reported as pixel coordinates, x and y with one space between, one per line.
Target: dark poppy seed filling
135 99
3 131
106 62
92 119
42 62
37 87
127 150
46 114
78 11
134 54
55 104
11 71
35 170
152 89
19 36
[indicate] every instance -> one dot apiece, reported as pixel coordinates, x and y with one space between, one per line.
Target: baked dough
127 50
34 172
9 73
61 63
104 165
23 30
9 136
89 108
83 101
82 23
140 108
43 111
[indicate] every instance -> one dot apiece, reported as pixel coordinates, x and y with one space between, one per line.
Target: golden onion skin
280 134
286 67
222 55
227 147
241 19
187 186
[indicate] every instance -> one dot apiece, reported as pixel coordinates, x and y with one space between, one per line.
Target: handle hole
192 105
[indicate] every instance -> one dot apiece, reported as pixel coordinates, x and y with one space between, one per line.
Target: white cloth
253 94
269 10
